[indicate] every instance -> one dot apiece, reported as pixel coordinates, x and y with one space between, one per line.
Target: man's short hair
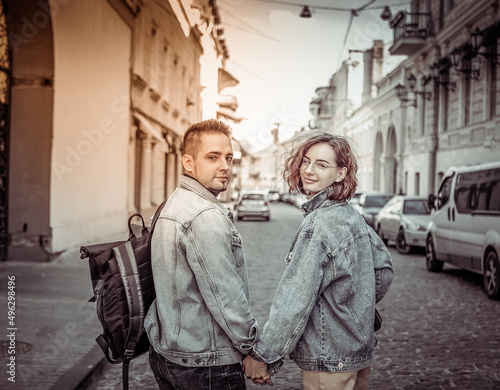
192 136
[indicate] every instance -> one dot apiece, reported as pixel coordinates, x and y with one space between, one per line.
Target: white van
465 223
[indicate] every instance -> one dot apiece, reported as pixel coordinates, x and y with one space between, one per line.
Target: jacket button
184 360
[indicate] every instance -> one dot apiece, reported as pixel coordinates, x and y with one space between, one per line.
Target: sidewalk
53 328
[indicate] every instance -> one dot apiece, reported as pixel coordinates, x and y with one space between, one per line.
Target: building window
417 183
493 87
467 96
164 67
446 103
422 116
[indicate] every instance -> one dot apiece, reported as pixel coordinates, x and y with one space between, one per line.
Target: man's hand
256 371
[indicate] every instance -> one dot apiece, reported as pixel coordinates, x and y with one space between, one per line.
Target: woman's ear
341 175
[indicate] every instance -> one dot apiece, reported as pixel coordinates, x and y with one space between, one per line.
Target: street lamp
456 59
386 13
399 93
437 76
412 82
477 40
306 12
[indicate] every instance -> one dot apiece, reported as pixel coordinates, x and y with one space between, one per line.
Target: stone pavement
50 326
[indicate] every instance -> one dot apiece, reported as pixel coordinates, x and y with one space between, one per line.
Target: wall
30 38
92 46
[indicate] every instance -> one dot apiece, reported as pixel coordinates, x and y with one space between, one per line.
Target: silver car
253 204
404 219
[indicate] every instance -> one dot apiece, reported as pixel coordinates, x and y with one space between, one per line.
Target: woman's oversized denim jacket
201 315
324 307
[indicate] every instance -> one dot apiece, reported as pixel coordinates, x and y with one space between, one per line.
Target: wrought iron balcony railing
414 25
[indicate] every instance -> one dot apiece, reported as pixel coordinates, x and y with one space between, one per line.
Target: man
200 325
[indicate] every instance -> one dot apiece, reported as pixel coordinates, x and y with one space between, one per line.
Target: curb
84 372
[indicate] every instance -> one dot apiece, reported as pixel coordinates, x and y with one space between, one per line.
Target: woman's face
319 170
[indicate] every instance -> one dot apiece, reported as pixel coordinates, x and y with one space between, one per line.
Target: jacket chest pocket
237 248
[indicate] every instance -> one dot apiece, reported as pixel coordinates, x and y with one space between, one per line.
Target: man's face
212 166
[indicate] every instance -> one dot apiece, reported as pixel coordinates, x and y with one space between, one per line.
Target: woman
338 268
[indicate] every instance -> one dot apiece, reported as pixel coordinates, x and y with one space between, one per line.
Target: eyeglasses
318 166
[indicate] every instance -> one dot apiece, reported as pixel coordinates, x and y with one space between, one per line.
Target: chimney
276 133
373 63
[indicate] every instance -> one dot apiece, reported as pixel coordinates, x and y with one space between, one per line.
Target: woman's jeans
171 376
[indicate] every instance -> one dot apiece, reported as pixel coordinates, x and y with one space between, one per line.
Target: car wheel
381 235
492 276
401 244
433 264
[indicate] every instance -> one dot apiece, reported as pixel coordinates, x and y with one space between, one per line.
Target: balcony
411 31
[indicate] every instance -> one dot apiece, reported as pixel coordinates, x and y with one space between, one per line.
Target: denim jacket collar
317 200
191 184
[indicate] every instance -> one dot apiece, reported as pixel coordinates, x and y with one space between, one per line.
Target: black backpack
123 286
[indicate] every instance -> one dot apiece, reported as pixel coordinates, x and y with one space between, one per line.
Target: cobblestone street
439 331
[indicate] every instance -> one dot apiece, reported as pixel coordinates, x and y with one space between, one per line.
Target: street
439 331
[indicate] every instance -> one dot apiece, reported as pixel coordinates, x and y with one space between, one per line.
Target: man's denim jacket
201 315
324 307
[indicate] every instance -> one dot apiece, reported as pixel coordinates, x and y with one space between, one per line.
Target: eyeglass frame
315 168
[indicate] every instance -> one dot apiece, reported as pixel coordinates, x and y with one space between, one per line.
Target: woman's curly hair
341 191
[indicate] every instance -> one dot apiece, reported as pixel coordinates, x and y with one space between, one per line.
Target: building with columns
95 98
439 107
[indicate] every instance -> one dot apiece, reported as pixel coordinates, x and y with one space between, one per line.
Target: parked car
355 198
465 224
299 200
404 219
273 195
369 204
253 204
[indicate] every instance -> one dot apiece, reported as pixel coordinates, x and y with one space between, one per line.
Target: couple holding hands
322 315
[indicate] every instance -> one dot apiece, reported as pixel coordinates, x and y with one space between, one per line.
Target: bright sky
280 59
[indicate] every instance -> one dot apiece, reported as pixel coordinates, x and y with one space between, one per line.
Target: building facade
439 107
96 96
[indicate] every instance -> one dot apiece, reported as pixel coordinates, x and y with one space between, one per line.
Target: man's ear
187 162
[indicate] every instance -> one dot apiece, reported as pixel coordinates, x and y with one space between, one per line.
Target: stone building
95 98
439 107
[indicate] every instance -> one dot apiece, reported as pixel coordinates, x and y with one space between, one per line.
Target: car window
443 195
416 206
252 197
487 194
376 201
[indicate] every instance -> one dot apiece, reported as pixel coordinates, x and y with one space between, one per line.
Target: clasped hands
256 371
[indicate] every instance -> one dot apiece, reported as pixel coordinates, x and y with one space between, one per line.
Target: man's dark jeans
171 376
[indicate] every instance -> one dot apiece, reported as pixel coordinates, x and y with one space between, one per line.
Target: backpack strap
125 367
157 215
131 282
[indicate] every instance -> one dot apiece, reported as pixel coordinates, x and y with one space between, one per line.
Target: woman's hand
256 371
